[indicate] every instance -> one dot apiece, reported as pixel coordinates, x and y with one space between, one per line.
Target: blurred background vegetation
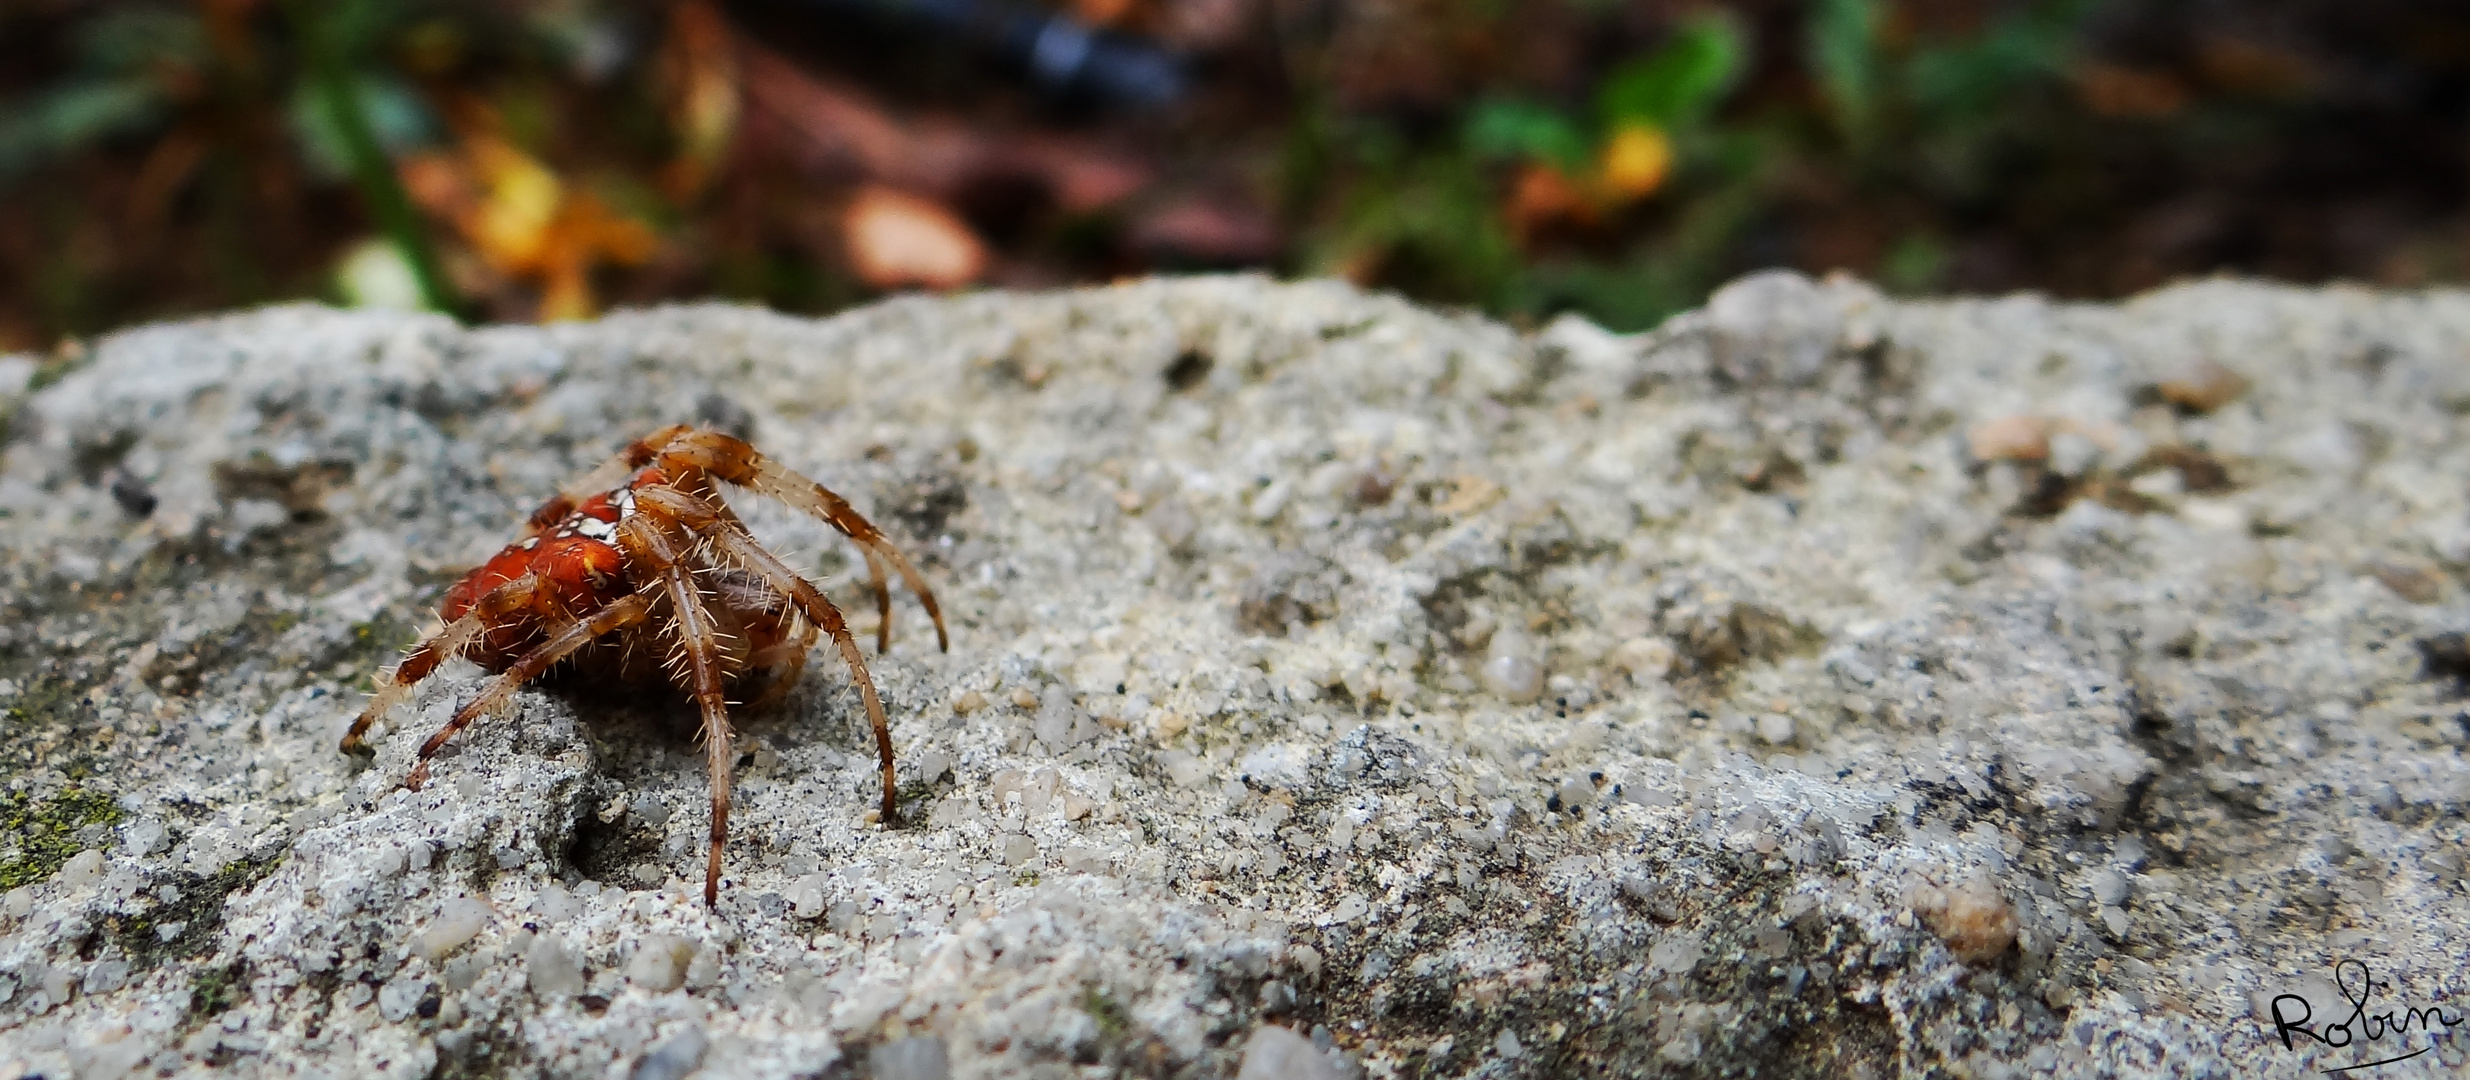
545 159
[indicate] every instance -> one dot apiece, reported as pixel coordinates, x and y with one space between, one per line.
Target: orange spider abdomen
572 558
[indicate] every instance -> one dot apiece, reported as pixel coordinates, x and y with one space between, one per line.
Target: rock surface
1819 685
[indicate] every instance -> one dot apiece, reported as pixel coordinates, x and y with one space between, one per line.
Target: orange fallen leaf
896 239
1634 162
525 222
1541 196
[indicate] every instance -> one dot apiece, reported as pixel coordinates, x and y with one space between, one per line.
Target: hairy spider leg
785 657
562 641
614 469
698 638
786 660
883 603
699 643
446 643
737 463
733 543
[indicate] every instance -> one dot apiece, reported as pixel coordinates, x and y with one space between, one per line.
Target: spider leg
781 636
732 542
698 638
562 641
787 661
733 461
883 603
613 470
445 644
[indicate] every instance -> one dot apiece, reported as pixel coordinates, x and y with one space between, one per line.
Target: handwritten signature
2357 984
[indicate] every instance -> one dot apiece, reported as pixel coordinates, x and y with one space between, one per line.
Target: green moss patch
43 833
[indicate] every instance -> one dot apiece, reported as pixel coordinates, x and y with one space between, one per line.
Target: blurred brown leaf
2250 67
699 70
2113 90
835 131
1197 230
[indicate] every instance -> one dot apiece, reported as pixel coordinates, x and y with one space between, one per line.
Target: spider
638 573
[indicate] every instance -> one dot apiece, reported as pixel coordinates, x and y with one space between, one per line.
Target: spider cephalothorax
640 573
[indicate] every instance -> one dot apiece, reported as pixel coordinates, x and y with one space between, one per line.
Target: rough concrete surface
1819 685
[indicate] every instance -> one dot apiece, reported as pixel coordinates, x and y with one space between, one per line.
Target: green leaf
1502 128
1982 76
1844 53
69 118
1679 83
395 115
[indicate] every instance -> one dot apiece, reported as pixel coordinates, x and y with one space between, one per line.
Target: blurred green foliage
1615 159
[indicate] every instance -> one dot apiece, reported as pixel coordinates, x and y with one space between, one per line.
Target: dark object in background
2446 656
1063 56
131 493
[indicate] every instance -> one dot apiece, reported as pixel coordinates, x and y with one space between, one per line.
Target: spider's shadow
648 746
652 736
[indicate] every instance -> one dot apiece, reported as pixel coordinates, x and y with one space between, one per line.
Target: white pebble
1644 658
83 869
660 965
107 976
2109 887
399 997
555 904
1277 1053
555 969
919 1057
1098 673
704 969
1511 671
1576 791
461 920
1018 849
806 896
673 1059
1775 728
145 838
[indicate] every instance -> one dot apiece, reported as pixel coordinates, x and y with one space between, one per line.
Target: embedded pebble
555 970
1511 670
674 1057
1278 1053
83 869
659 964
2203 386
1644 658
2009 438
397 999
918 1057
1973 917
461 920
